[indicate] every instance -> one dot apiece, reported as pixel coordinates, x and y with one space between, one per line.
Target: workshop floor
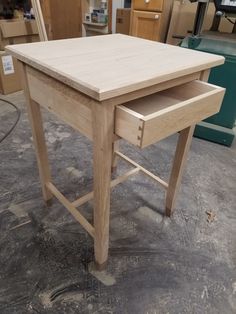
186 264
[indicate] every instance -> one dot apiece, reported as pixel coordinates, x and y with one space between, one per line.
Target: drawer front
146 25
148 5
155 117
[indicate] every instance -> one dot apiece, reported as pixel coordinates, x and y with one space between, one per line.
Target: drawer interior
165 99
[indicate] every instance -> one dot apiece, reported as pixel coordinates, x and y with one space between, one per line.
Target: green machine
220 127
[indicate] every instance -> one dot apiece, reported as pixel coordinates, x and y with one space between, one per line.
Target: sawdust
149 214
210 216
102 276
74 172
20 210
56 136
45 299
64 298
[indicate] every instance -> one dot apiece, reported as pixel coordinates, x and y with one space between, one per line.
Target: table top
112 65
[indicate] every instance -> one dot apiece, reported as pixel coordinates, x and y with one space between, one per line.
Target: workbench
111 87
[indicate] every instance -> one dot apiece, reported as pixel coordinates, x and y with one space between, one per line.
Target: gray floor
156 265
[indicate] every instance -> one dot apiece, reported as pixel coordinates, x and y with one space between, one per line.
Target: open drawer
149 119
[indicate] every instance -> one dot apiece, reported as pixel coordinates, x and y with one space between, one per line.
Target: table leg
103 128
183 145
35 119
115 147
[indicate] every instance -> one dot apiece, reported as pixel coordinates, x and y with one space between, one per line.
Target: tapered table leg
115 147
35 119
103 128
183 145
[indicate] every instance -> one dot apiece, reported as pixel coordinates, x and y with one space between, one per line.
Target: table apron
69 105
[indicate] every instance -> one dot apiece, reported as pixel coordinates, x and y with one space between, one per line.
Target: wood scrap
210 216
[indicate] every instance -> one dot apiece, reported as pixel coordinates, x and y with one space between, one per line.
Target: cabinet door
148 5
63 18
146 25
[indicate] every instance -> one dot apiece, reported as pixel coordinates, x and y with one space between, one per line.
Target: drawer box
152 118
148 5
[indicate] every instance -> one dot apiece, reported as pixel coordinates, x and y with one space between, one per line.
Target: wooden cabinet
146 25
148 5
150 19
62 18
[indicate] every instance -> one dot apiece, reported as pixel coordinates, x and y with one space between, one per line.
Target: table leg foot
100 267
113 169
168 212
48 203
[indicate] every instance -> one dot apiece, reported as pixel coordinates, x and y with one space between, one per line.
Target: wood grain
107 66
84 199
103 127
39 20
71 208
152 5
67 104
146 25
35 119
152 118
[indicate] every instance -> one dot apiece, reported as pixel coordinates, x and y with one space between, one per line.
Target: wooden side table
110 87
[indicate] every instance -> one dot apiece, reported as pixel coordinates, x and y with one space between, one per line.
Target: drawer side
128 125
178 117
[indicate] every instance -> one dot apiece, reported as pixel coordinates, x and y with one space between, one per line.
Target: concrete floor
157 265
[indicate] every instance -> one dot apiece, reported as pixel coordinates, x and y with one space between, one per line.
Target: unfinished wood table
111 87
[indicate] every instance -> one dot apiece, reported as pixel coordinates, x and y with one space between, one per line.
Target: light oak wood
35 119
47 16
205 75
76 82
84 199
146 25
103 128
150 119
39 19
183 145
145 171
71 208
53 95
152 89
88 64
115 147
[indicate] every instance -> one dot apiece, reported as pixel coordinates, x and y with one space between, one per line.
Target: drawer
149 119
148 5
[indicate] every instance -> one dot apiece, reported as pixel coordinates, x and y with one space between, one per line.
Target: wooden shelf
95 24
